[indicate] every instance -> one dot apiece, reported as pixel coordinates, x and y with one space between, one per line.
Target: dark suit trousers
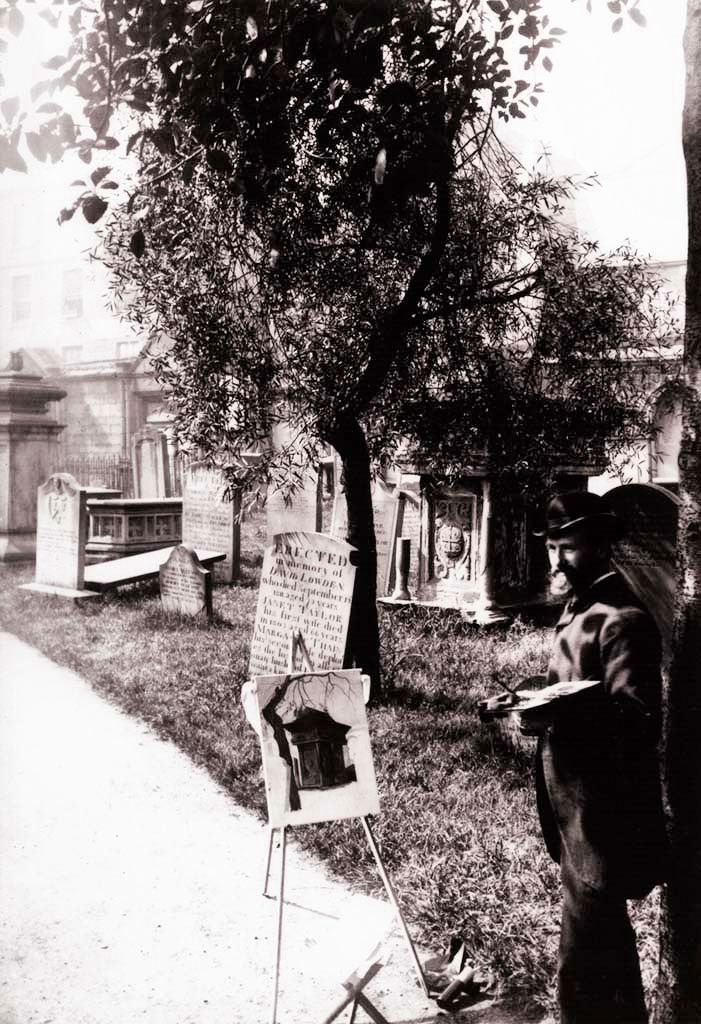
599 972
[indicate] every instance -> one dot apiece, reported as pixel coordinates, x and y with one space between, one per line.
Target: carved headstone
299 512
186 586
455 530
210 518
150 465
409 525
61 531
647 553
384 510
307 585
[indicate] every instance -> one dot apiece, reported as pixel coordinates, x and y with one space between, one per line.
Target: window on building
21 298
127 349
72 353
72 293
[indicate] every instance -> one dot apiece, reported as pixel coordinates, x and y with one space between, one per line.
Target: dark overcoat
597 770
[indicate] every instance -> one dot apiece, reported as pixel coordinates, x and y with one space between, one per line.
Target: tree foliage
321 218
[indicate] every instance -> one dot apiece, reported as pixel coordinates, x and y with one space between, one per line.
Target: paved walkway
130 883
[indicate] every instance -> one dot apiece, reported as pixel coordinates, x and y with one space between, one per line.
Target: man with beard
597 778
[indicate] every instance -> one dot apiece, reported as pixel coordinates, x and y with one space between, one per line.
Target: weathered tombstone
647 553
307 586
210 519
384 509
29 436
61 530
409 525
150 465
299 512
186 586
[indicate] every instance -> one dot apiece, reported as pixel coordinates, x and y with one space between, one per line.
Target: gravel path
131 883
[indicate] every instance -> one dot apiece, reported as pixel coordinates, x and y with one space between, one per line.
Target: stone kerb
647 553
186 586
61 523
211 520
307 586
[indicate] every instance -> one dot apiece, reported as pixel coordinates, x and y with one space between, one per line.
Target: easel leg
281 900
393 900
270 856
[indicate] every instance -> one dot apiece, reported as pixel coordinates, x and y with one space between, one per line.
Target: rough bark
679 982
348 438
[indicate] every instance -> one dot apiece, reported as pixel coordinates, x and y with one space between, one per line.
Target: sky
611 107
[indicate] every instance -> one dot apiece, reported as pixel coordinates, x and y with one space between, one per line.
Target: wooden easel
355 993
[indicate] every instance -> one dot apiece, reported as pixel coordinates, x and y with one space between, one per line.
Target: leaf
98 174
496 6
49 108
93 208
380 166
100 118
10 108
78 182
617 25
15 21
638 17
461 22
36 146
615 6
251 28
506 31
66 213
47 15
520 86
54 63
547 64
558 32
137 243
109 184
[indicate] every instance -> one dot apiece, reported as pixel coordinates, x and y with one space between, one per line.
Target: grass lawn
458 828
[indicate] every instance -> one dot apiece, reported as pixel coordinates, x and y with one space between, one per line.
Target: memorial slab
150 465
61 529
211 518
186 586
307 586
647 553
384 511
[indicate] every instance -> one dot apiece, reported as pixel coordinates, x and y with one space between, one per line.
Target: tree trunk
679 982
348 438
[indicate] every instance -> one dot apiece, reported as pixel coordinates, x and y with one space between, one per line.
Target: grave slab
307 585
211 518
186 586
647 553
61 524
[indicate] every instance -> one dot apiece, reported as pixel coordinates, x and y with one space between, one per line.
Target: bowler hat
575 509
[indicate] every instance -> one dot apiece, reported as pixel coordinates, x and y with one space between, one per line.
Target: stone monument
384 510
186 586
647 553
307 586
60 544
28 454
150 464
211 520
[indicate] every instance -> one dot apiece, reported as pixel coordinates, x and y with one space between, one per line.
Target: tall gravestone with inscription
211 518
307 586
647 553
61 531
384 508
186 586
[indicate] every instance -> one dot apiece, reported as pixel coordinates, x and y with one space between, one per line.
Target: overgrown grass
458 828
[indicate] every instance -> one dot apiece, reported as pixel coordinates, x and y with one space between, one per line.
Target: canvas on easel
317 758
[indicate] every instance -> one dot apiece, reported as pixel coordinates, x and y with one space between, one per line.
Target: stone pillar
486 609
28 455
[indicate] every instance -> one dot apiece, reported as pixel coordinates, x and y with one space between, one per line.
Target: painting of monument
317 758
